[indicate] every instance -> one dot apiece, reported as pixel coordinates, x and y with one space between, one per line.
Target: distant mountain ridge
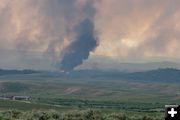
170 75
157 75
14 72
104 64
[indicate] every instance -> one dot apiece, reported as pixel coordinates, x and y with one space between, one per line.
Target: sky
35 33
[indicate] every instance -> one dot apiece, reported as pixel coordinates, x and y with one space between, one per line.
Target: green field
11 110
64 95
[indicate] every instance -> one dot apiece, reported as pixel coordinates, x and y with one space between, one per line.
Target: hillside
15 72
158 75
104 63
106 91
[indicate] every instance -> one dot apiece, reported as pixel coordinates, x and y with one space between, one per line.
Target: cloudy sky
34 33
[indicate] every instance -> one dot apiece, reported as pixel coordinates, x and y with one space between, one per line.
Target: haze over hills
157 75
8 61
109 64
15 72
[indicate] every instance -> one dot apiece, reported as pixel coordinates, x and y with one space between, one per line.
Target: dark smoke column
79 50
85 41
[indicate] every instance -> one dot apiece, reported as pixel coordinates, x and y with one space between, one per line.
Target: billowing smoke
43 34
85 41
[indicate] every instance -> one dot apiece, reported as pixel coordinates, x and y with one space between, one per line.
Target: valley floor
63 98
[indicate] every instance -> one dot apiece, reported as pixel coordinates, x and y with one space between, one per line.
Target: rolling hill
15 72
158 75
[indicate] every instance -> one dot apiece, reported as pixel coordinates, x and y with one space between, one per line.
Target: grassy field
89 89
16 110
66 95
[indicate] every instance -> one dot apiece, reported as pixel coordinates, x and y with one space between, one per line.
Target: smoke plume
85 41
48 34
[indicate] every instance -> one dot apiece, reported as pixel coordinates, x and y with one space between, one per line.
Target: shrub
73 115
